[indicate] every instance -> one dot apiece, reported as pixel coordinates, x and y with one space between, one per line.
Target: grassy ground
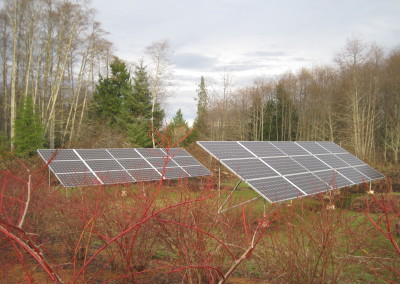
307 244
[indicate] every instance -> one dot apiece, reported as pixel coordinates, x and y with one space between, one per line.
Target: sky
247 39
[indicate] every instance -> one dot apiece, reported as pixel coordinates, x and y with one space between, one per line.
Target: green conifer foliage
111 93
179 128
29 130
200 123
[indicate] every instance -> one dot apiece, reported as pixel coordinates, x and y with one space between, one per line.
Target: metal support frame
234 206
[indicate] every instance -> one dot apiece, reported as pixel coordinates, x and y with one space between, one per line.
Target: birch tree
160 71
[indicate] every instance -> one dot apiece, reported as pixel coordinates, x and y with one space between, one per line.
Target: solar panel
250 168
80 167
281 171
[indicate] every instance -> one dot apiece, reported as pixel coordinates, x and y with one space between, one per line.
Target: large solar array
81 167
281 171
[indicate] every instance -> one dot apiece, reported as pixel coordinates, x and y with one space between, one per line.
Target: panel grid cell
350 159
104 165
333 161
311 163
353 175
124 153
115 177
333 178
226 150
289 148
176 152
94 154
332 147
58 155
262 149
134 164
309 183
171 173
250 168
285 165
196 171
78 179
312 147
186 161
370 172
166 162
267 187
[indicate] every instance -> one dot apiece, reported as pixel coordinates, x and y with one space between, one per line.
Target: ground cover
174 231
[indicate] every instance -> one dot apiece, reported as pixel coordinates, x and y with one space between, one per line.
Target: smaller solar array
81 167
281 171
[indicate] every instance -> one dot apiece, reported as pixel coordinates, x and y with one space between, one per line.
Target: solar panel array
81 167
281 171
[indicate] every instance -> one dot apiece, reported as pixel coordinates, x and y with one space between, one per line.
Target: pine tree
200 122
140 102
178 128
138 107
112 93
29 130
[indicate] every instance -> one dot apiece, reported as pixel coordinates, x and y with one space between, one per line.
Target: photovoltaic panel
170 173
333 161
145 174
104 165
150 152
60 167
353 175
371 173
124 153
115 177
250 168
262 149
311 163
162 162
350 159
196 171
285 165
78 179
80 167
267 188
312 147
333 178
226 150
289 148
186 161
285 170
309 183
58 155
176 152
134 164
332 147
94 154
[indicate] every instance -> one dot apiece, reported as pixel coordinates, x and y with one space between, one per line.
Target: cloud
188 60
261 53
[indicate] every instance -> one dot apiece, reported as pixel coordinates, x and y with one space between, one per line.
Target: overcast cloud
248 38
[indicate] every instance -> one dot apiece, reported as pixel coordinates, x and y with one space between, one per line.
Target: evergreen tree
179 128
112 93
200 122
178 119
139 103
138 108
29 130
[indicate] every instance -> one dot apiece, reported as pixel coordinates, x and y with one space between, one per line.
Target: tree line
354 102
60 83
59 78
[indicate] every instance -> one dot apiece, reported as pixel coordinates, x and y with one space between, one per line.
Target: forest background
61 86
